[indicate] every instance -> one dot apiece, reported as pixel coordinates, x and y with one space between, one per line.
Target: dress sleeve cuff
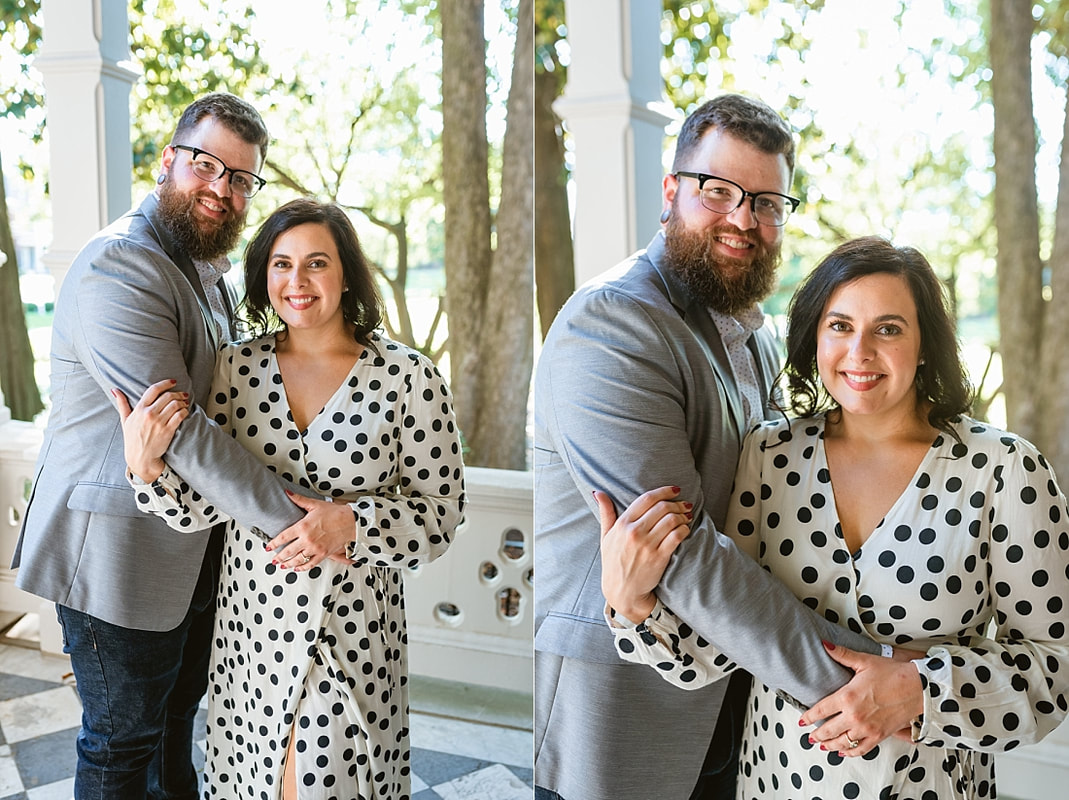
620 621
166 487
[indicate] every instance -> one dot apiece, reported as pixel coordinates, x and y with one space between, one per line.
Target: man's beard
720 284
200 243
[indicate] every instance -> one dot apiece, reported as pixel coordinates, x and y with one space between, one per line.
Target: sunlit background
351 93
891 102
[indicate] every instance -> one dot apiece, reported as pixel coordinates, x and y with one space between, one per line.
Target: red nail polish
827 645
676 489
688 506
801 723
812 740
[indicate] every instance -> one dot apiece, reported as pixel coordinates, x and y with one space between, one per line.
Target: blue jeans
140 691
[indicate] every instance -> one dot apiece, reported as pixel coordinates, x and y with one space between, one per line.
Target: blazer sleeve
620 420
129 305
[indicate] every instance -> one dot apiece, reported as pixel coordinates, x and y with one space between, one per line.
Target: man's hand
881 700
323 533
636 548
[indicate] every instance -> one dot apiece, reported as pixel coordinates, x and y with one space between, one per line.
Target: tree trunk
1020 279
17 379
506 344
466 194
1054 386
554 254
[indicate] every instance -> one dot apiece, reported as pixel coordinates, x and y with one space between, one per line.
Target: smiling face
305 279
728 261
206 219
869 345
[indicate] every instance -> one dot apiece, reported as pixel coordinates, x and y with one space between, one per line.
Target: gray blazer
633 391
131 312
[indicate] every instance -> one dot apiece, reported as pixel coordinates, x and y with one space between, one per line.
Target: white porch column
87 75
614 108
84 60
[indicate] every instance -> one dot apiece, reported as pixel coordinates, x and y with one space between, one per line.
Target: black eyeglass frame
702 177
196 152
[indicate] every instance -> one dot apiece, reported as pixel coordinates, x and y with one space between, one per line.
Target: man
143 302
650 376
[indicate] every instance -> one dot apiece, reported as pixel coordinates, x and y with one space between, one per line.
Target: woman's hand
148 428
881 700
636 548
323 533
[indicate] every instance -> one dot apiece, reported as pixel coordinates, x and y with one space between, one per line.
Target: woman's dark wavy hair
941 380
361 305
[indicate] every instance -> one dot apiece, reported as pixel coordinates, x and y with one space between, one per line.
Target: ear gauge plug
161 179
665 215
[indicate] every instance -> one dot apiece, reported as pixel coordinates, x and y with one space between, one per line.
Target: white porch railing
469 613
19 443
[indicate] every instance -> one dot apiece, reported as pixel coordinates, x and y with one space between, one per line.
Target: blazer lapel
150 208
707 335
229 303
697 319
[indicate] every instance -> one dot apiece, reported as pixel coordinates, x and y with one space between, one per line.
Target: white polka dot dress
980 537
324 651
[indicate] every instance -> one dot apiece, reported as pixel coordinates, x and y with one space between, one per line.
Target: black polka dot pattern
324 652
980 536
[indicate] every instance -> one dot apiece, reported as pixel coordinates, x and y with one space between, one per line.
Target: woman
891 513
308 684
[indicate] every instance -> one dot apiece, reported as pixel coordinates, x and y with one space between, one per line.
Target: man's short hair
233 112
744 118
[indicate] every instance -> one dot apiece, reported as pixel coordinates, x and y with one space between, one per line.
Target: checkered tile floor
40 713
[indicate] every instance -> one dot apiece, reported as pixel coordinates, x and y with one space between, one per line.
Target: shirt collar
739 325
212 271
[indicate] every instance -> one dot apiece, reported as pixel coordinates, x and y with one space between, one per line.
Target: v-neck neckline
878 528
330 400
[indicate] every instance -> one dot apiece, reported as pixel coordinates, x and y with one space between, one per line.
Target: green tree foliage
367 137
853 180
186 50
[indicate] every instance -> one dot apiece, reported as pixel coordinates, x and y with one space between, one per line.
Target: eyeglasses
211 168
722 196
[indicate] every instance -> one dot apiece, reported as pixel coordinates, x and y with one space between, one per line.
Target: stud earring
921 362
665 215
